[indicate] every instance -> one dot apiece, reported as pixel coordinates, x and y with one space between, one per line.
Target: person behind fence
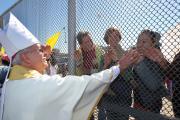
28 94
4 59
1 53
89 56
173 72
53 66
63 69
4 62
3 72
120 90
148 73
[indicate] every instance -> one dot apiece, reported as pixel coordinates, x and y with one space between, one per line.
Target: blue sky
44 18
6 4
130 17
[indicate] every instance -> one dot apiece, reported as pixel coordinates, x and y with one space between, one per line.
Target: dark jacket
149 77
3 72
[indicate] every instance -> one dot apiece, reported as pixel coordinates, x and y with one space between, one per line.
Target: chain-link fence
105 31
145 90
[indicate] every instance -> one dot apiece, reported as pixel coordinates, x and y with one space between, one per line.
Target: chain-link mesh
108 29
145 90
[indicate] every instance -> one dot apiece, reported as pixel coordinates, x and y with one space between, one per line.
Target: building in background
171 42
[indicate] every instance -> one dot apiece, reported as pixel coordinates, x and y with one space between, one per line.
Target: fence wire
105 31
147 90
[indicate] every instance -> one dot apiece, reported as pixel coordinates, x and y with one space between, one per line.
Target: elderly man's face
38 55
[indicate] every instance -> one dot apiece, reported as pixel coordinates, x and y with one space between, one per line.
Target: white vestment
54 97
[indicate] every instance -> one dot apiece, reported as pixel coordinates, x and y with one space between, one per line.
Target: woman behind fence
148 73
89 56
173 71
119 92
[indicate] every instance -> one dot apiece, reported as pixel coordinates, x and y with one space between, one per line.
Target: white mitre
15 36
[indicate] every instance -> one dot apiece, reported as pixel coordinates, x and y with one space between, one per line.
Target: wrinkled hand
109 56
153 54
128 59
47 50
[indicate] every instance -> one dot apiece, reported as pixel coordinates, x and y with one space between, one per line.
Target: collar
19 72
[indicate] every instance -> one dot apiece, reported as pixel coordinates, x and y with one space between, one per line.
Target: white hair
17 60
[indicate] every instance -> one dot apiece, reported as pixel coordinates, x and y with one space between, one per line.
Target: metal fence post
1 22
71 34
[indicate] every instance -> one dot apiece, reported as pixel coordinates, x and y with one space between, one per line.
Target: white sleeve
116 72
108 75
97 85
